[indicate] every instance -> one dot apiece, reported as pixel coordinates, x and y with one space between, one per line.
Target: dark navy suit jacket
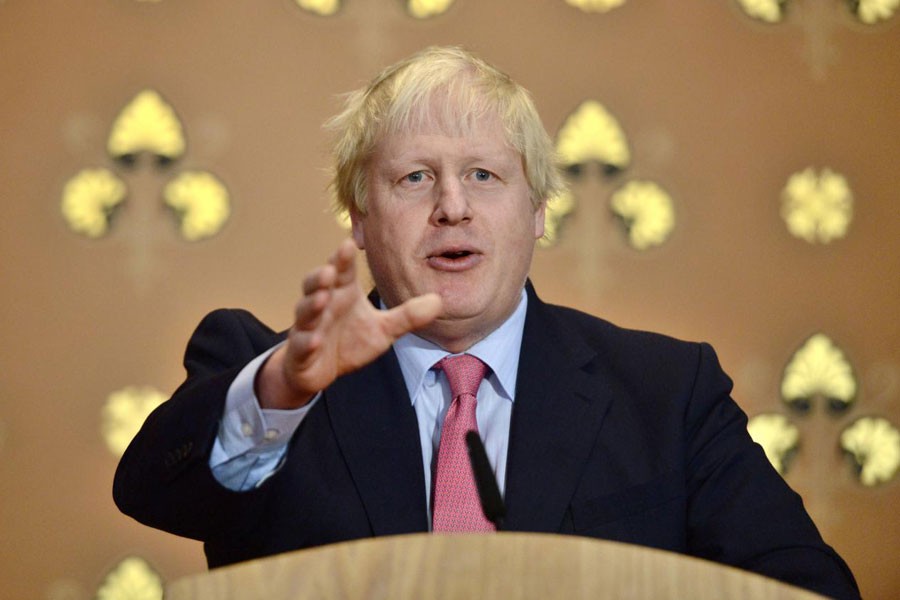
615 434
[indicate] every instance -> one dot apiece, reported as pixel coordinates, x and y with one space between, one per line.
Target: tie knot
464 372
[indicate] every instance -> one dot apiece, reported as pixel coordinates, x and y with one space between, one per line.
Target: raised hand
336 330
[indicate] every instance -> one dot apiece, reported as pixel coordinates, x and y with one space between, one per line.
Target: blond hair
453 86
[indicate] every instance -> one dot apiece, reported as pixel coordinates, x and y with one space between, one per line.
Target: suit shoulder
600 333
227 337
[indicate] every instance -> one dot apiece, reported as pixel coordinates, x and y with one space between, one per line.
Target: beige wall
719 109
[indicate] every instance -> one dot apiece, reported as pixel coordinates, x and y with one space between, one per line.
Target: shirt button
271 434
247 429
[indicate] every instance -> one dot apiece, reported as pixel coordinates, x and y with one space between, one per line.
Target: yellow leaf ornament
323 8
647 211
131 579
123 414
201 201
147 124
89 199
873 11
818 368
600 6
778 437
874 444
423 9
770 11
558 208
591 133
817 207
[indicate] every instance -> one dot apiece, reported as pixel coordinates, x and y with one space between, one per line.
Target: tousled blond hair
453 86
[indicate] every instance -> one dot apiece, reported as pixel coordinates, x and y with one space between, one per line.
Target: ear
358 228
539 216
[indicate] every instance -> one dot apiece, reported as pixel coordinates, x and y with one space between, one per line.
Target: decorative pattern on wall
123 414
89 200
558 208
591 134
874 445
201 202
817 207
324 8
647 212
423 9
420 9
147 124
778 437
596 5
819 369
866 11
131 579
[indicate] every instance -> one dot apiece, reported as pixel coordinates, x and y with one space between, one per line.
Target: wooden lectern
503 566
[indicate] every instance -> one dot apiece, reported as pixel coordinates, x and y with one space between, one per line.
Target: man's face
451 215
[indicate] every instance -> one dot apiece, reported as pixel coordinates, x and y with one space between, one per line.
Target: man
348 424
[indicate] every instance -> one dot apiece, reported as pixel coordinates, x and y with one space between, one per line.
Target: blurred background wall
103 281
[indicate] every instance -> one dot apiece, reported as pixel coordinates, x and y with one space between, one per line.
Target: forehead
440 134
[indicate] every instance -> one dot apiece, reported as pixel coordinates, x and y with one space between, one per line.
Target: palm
336 330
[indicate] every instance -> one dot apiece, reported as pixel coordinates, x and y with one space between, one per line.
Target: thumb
413 314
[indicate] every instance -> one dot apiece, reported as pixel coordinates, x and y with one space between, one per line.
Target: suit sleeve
163 480
741 512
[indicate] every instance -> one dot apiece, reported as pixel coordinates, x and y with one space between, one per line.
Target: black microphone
488 491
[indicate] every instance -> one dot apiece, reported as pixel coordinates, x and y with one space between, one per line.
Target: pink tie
456 503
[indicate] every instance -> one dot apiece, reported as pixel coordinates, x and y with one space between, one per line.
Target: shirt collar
499 351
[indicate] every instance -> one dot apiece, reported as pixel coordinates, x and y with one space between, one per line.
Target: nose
451 204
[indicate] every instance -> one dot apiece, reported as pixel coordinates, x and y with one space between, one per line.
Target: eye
414 177
482 175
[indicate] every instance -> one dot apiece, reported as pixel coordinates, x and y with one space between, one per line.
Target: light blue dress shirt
252 441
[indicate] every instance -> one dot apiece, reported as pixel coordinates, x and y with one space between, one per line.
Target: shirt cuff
247 428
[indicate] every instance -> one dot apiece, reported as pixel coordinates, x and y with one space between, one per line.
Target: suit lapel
376 428
556 419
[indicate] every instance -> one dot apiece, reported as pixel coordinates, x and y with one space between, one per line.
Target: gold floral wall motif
89 200
419 9
770 11
873 11
424 9
869 12
123 414
131 579
778 437
874 445
819 369
147 124
817 207
558 208
646 210
324 8
600 6
592 133
201 202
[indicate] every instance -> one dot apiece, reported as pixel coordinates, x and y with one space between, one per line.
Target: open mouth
456 254
454 259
